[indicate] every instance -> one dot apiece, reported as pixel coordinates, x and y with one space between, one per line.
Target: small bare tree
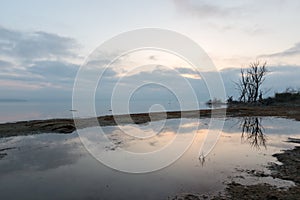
242 86
251 81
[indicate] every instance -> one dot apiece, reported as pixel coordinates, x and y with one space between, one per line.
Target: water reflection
252 132
39 152
44 165
202 159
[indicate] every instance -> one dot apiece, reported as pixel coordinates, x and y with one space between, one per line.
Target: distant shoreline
12 100
68 125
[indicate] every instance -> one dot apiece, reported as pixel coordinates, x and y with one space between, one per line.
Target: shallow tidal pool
58 166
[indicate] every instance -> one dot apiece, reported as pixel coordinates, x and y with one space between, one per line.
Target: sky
43 43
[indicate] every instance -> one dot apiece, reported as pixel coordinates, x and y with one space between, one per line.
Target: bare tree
242 86
251 81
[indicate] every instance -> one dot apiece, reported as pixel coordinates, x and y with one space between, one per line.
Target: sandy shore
289 170
68 125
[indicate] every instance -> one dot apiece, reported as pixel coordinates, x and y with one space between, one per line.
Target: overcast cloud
42 49
37 65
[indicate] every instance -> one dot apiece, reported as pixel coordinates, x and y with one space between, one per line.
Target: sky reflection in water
54 166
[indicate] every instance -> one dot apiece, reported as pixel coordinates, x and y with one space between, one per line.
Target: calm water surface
32 110
56 166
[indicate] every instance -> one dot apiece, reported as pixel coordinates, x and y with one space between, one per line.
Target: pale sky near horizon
42 40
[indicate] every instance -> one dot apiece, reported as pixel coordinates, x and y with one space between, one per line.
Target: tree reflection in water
252 132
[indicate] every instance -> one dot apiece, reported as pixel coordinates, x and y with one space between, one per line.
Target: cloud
293 51
147 80
226 16
188 73
5 64
203 9
35 45
41 75
36 61
18 85
54 71
288 76
287 57
152 83
37 64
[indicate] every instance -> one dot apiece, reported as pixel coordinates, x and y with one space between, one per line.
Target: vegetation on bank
250 89
279 98
290 95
